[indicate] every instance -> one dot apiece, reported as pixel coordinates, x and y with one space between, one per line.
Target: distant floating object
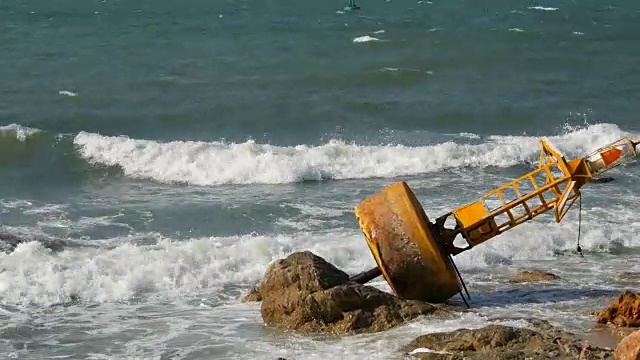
351 6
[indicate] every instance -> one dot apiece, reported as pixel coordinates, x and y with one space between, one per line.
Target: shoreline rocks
629 347
305 293
534 275
622 317
502 342
624 311
252 295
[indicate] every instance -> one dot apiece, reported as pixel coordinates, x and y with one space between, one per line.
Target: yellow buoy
414 254
411 259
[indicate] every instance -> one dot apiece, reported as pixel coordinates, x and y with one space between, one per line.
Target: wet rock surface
629 279
504 343
253 295
9 242
533 275
303 292
629 347
622 312
608 335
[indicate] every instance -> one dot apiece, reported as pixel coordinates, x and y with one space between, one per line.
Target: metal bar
366 276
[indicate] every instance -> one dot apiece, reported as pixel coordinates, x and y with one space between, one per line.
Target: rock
502 342
303 292
539 325
629 275
253 295
622 312
629 347
290 280
629 279
536 275
9 243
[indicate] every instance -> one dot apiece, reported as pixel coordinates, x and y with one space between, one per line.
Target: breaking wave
18 132
174 268
220 163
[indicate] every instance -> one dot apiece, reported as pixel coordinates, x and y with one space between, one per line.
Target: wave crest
219 163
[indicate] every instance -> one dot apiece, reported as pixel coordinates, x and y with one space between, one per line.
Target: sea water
179 147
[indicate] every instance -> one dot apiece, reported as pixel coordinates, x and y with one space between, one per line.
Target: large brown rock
304 292
623 311
535 275
629 347
495 342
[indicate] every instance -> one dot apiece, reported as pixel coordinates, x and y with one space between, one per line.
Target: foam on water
365 38
31 219
67 93
188 290
171 269
542 8
10 205
20 132
217 163
384 345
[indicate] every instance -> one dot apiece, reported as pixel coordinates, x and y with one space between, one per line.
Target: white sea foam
365 38
15 204
469 135
218 163
68 93
20 132
172 269
384 345
49 209
56 218
542 8
33 274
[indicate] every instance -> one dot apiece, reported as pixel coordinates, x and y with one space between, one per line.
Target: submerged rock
253 295
602 180
536 275
622 312
503 342
629 347
9 242
304 292
629 275
630 279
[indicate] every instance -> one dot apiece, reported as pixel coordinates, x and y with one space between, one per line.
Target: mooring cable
578 248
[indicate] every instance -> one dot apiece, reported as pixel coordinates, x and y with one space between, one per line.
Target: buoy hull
411 260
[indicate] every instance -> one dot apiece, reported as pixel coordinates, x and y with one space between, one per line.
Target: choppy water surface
181 147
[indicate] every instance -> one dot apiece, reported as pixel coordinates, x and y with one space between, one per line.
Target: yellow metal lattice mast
555 184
